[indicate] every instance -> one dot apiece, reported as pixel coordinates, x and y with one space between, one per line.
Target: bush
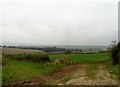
68 52
62 61
102 51
115 52
40 57
37 57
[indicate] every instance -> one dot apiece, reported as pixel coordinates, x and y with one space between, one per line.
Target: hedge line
36 57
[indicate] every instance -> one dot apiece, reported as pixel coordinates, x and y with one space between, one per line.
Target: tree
115 52
68 52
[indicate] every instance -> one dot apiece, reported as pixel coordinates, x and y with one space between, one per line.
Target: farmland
83 58
61 69
18 51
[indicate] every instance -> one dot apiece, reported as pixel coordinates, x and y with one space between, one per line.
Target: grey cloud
57 22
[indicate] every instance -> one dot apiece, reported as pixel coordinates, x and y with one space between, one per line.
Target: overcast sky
58 22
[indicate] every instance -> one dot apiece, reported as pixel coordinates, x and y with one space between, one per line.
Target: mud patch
102 78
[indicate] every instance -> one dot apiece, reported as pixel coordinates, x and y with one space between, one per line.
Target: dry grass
18 51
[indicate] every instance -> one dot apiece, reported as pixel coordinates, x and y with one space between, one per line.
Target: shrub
62 61
40 57
36 57
68 52
115 52
102 51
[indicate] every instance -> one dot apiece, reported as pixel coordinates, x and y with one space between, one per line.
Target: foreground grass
20 70
113 69
91 71
83 58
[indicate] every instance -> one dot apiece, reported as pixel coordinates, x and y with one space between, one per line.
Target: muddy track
58 75
71 75
103 77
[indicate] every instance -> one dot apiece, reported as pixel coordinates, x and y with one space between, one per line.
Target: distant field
18 51
83 58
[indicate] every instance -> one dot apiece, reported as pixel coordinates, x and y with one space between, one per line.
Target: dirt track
71 75
102 78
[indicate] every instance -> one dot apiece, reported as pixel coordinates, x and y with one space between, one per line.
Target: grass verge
113 69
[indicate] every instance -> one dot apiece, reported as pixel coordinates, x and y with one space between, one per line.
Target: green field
18 70
14 70
83 58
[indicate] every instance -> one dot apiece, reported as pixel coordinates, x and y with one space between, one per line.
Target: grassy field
83 58
21 70
14 70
